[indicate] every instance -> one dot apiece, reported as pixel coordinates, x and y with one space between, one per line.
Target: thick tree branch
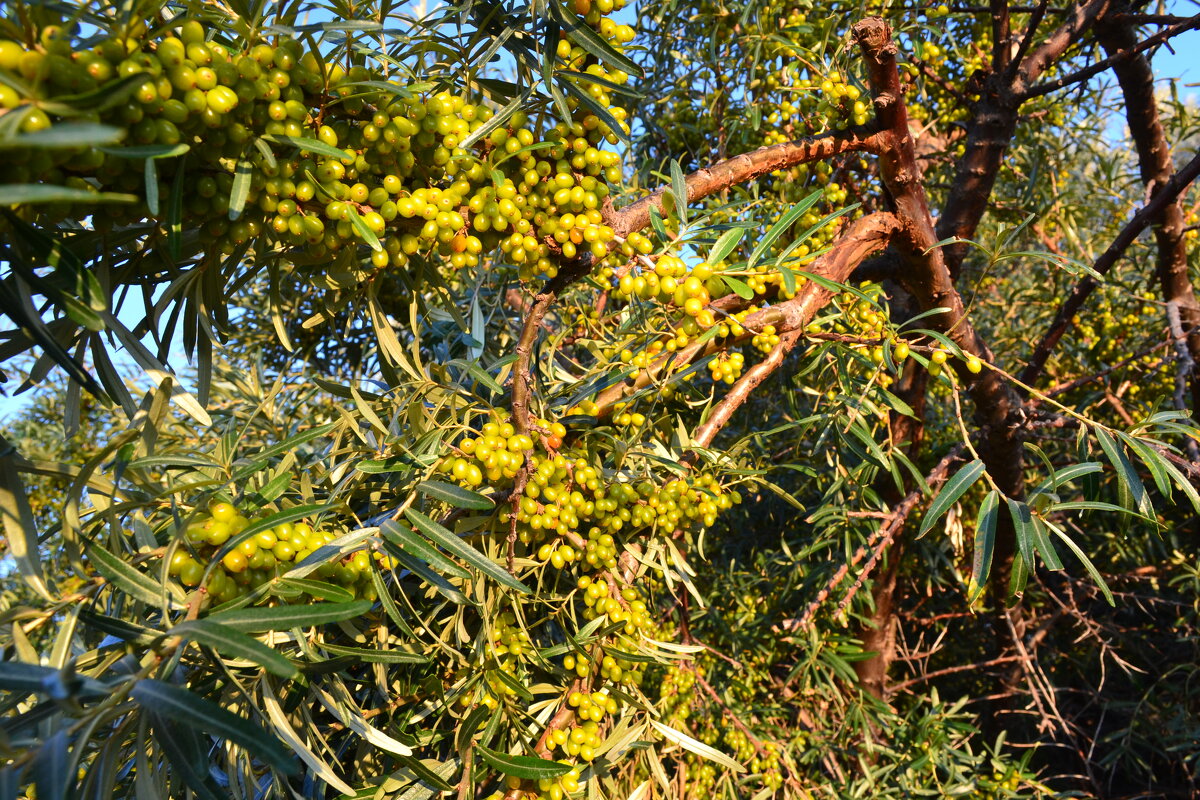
746 167
994 123
1155 165
1000 35
1138 223
927 278
1123 54
1031 28
1081 18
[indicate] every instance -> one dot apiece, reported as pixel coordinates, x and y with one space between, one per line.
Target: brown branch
737 722
1000 35
536 312
859 239
1123 55
1156 165
1080 19
993 125
746 167
928 278
939 673
1075 383
747 383
1035 19
1082 290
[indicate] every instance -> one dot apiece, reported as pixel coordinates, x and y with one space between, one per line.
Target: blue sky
1181 62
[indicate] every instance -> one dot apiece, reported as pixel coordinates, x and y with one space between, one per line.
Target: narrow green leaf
421 570
124 630
181 745
1089 505
1022 519
375 656
480 374
498 119
307 145
1153 461
1087 564
1184 485
529 768
456 546
127 578
656 222
679 189
697 747
147 151
455 495
739 287
230 642
262 458
20 529
1131 492
383 591
282 618
725 244
283 728
17 676
318 589
363 231
184 706
780 227
1017 578
70 134
378 466
98 99
16 194
985 544
240 190
174 219
267 153
1043 545
50 767
1073 471
587 38
603 114
150 178
955 488
408 541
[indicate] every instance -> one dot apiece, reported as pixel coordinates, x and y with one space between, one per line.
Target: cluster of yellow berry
1108 335
287 149
763 764
259 558
569 509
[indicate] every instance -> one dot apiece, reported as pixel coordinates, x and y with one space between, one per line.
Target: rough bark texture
994 123
1155 164
878 633
926 276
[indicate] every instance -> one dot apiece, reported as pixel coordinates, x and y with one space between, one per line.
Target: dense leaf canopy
565 400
